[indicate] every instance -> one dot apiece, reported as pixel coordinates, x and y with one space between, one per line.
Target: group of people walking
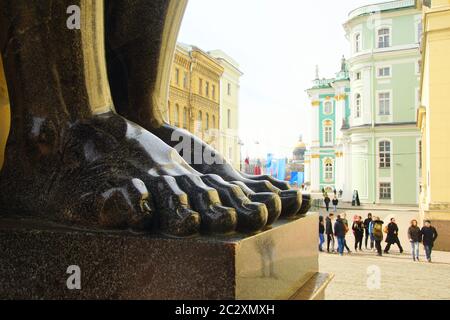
371 232
327 201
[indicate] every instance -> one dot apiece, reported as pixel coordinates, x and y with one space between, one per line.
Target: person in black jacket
392 236
329 232
415 237
327 200
321 233
339 232
358 232
366 228
335 203
429 236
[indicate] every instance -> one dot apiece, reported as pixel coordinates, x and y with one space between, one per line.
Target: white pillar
347 159
315 174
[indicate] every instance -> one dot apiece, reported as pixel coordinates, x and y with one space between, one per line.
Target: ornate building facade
324 168
194 96
204 98
365 137
432 119
229 143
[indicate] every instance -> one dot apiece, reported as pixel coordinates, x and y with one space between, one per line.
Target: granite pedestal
274 264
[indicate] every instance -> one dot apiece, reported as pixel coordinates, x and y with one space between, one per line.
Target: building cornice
390 53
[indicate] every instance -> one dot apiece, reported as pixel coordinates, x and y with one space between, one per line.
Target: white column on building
315 145
347 162
307 169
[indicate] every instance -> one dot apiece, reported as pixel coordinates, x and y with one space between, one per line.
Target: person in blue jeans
415 237
429 236
339 232
321 233
372 238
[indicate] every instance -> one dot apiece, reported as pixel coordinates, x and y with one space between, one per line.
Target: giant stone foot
112 173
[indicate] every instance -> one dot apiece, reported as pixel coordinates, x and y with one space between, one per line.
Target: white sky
277 44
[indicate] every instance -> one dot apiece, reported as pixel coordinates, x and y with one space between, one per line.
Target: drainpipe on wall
372 92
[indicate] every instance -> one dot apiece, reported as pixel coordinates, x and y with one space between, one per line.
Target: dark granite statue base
274 264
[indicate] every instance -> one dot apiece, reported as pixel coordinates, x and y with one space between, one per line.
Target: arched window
328 107
176 117
328 169
214 121
358 106
207 121
357 42
185 117
384 154
200 120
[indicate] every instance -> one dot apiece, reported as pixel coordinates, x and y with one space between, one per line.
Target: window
200 120
229 89
358 76
328 107
207 89
384 103
185 117
177 76
385 154
358 106
214 122
328 170
328 132
200 86
384 72
207 121
385 191
176 115
357 42
214 92
229 118
185 80
384 38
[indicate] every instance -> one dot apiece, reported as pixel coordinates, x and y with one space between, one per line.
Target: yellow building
433 118
194 96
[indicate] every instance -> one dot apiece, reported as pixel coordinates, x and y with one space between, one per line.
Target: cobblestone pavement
356 274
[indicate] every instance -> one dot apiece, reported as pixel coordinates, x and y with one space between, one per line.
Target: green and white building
364 133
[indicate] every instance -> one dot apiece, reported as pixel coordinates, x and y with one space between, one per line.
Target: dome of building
299 150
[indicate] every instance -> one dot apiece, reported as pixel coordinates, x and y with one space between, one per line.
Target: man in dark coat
327 202
339 232
429 236
366 228
329 232
392 236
